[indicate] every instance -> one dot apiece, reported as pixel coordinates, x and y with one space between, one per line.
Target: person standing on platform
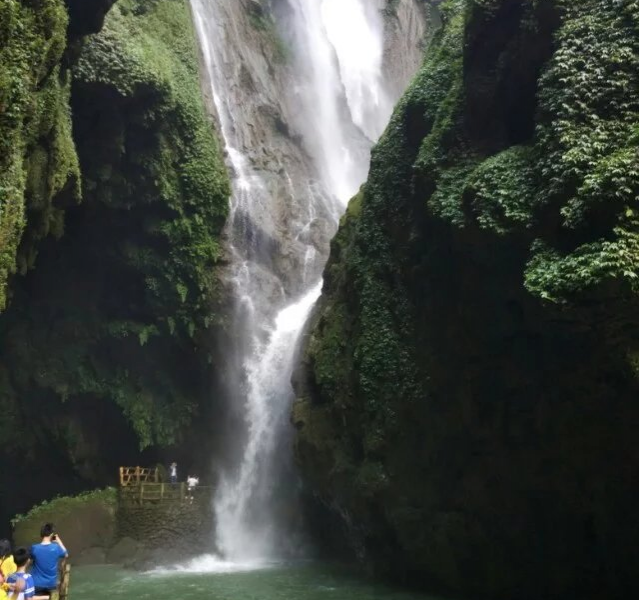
173 473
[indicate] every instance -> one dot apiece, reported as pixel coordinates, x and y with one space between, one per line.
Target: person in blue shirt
20 583
46 555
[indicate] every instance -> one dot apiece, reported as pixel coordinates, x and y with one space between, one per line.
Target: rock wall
165 532
84 522
99 527
119 194
467 404
409 24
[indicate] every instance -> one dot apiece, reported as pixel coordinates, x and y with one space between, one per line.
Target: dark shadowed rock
468 409
124 552
87 16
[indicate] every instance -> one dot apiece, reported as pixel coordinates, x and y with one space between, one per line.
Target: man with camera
46 555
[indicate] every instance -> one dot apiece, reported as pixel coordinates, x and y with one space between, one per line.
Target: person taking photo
46 555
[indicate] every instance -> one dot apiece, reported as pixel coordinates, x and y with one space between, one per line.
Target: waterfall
288 194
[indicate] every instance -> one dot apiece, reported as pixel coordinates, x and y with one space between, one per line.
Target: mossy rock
39 170
85 521
478 325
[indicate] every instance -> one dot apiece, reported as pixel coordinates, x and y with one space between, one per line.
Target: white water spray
355 30
337 102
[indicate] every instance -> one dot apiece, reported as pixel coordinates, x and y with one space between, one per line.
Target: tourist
46 556
20 583
7 567
191 483
173 473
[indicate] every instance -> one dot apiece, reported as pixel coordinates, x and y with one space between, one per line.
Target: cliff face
468 401
39 171
119 195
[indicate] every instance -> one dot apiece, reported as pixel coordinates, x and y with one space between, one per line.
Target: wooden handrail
136 475
160 492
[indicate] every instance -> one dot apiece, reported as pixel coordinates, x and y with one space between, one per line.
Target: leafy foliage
67 504
589 103
501 188
479 316
128 297
38 163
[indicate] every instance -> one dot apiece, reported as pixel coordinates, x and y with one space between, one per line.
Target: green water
310 581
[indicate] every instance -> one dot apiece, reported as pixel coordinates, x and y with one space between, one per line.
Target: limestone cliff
468 404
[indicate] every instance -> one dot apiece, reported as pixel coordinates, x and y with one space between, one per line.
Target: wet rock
91 556
407 28
124 552
84 522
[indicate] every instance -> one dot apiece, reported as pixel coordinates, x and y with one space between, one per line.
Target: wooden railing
133 476
145 493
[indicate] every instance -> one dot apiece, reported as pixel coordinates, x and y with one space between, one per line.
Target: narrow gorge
367 267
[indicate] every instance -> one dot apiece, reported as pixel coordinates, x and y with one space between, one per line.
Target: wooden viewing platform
140 485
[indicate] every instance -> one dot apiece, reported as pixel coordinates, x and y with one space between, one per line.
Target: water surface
222 581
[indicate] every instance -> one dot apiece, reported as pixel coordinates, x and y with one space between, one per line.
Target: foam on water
211 563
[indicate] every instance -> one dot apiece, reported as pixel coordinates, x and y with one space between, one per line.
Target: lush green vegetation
83 521
480 311
174 175
111 336
38 165
67 505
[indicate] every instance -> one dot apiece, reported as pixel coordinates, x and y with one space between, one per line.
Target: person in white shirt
191 484
173 473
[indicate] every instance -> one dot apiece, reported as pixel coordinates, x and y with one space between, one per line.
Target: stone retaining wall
184 527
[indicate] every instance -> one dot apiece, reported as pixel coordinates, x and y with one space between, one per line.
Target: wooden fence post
64 581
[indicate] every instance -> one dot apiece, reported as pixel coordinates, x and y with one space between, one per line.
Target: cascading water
333 99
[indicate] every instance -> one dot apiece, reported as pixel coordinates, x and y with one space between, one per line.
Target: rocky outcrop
408 27
103 527
253 58
467 408
163 533
86 522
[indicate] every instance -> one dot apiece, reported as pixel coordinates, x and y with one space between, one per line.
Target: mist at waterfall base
338 104
307 581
